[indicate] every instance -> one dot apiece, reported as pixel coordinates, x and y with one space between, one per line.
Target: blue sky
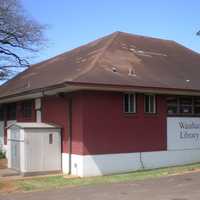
76 22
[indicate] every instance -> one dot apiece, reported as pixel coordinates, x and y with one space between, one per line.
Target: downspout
69 132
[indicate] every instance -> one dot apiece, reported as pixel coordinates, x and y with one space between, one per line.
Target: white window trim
134 105
154 103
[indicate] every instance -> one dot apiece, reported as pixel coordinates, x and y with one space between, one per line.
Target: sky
72 23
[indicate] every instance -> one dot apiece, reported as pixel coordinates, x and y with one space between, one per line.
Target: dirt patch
3 163
8 187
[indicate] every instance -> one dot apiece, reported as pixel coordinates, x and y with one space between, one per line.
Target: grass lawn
50 182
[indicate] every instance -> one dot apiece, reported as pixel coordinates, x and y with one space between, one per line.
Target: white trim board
97 165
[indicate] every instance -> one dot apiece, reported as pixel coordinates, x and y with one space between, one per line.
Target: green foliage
2 154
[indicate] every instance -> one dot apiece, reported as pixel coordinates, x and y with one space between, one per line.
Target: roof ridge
100 54
147 37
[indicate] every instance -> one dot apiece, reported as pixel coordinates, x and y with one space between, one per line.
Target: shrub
2 154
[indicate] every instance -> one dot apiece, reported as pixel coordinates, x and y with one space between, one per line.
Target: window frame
129 103
25 108
193 106
154 104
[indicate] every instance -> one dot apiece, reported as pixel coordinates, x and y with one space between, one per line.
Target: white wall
65 163
96 165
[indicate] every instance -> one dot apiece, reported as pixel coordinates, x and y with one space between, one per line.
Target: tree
19 36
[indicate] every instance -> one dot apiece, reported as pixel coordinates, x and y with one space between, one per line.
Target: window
129 103
26 109
183 105
1 113
172 103
150 104
11 111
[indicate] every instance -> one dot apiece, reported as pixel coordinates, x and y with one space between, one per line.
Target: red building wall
77 123
99 125
54 110
108 130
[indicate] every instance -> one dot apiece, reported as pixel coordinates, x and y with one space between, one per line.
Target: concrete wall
96 165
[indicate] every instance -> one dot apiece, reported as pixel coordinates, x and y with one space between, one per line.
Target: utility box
34 148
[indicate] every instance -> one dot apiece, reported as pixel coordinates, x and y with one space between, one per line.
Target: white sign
183 133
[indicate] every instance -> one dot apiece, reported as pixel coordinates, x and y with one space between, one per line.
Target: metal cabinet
34 148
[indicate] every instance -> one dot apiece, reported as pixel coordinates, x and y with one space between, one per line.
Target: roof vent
131 72
114 69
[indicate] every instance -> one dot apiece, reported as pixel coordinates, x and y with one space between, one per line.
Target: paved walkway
180 187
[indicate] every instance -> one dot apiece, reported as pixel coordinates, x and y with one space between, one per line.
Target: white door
15 148
15 154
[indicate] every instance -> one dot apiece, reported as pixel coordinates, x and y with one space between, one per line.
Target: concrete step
8 173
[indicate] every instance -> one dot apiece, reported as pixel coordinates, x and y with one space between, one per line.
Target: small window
26 109
51 138
129 103
11 111
150 104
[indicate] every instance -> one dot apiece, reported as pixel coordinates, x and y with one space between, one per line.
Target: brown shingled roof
117 59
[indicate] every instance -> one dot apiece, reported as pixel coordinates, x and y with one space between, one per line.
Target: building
124 102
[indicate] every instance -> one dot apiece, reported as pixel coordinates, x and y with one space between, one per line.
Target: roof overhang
71 87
